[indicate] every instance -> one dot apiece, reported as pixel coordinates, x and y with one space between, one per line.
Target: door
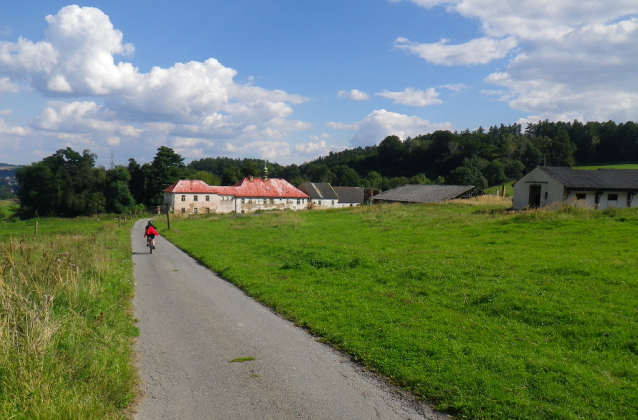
534 195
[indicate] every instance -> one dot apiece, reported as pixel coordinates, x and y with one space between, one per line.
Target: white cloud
413 97
381 123
476 51
354 94
567 58
193 100
455 87
7 86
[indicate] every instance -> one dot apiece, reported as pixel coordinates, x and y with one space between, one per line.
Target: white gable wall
551 191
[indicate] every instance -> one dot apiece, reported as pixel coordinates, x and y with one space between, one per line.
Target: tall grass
65 324
490 314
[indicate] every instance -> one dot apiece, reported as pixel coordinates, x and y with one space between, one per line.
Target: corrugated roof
594 179
350 194
417 193
271 187
319 190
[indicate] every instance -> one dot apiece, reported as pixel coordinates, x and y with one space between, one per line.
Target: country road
193 324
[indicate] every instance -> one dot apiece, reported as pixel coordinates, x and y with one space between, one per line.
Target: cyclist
149 233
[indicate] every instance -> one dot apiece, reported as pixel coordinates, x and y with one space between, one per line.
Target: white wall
552 191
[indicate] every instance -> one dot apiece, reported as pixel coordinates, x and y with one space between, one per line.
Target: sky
291 80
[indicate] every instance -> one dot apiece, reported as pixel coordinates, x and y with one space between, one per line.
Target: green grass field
487 314
66 327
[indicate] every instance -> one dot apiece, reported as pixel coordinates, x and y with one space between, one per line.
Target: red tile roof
191 186
257 187
271 187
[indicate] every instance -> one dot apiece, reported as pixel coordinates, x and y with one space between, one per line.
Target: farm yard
490 315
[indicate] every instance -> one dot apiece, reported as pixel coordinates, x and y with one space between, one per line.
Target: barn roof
594 179
319 190
417 193
350 194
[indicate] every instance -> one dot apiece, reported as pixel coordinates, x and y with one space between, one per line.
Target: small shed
600 189
418 193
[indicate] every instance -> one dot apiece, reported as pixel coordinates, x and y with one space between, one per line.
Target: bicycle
150 243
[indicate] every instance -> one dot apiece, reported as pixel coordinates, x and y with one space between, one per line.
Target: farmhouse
599 189
321 194
248 195
417 193
350 196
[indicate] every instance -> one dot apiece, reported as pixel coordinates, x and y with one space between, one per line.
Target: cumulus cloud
413 97
566 58
381 123
477 51
193 100
354 94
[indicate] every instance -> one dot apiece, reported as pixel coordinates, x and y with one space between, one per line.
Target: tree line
68 183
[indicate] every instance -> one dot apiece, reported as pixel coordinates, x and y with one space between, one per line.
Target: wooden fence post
168 220
35 232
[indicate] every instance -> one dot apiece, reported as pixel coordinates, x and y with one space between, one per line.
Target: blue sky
291 80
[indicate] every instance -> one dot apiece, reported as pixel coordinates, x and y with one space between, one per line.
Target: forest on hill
69 184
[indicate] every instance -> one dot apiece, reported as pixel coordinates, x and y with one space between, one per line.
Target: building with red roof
248 195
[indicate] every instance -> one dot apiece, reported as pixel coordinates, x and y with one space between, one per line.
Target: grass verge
66 327
489 315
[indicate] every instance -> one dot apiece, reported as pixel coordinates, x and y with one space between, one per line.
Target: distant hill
8 166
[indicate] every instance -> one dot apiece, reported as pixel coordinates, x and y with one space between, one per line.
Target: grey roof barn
319 190
599 189
350 195
417 193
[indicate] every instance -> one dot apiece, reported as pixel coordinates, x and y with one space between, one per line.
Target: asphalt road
193 323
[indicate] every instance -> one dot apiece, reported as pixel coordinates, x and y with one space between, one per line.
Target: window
243 201
194 198
333 202
272 201
318 202
581 196
612 197
183 198
183 210
195 210
298 201
207 209
208 198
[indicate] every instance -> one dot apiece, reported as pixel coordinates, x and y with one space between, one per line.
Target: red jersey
150 230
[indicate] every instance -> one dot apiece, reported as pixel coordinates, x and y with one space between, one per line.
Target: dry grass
65 330
483 200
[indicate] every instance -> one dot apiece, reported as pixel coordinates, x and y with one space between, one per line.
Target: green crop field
66 327
487 314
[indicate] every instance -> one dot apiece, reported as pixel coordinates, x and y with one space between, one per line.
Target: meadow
66 328
485 313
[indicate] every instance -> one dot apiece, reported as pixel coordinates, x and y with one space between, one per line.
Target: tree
205 176
231 176
467 176
374 179
64 184
166 169
250 169
118 198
